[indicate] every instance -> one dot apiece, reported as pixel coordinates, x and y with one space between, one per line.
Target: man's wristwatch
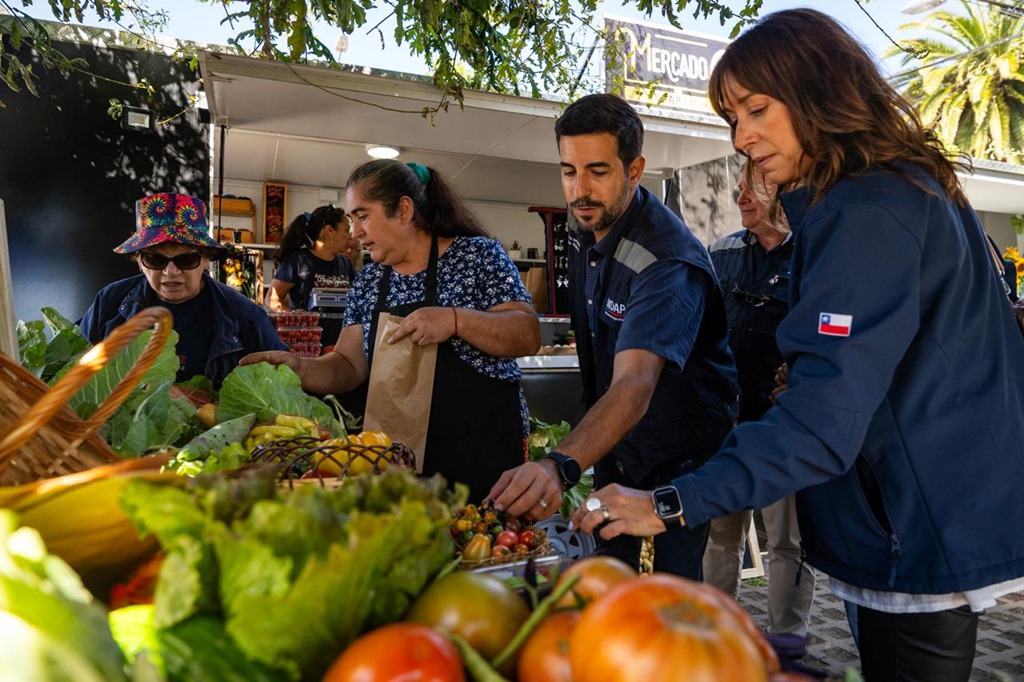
668 506
568 468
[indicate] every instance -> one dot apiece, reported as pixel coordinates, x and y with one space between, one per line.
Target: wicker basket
298 457
44 437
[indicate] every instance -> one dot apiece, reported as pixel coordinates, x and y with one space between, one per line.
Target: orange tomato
545 655
677 629
598 574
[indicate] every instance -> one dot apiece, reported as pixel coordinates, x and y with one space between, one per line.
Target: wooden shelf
233 207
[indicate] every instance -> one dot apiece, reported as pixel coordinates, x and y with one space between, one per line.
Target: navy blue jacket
906 437
695 400
756 288
242 327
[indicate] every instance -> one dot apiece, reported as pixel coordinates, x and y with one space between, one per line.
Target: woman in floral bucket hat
172 246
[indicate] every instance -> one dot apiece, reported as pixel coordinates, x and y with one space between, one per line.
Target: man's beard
605 220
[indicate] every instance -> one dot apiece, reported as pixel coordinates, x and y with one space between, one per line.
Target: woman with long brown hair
901 426
434 266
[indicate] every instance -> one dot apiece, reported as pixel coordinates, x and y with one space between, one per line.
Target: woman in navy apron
435 266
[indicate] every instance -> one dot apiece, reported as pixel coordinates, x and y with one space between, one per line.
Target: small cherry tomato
520 549
500 551
507 538
513 524
529 538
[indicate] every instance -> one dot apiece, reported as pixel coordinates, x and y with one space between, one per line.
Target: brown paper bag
536 282
401 388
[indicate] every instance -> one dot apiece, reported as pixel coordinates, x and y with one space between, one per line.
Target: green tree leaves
510 46
970 85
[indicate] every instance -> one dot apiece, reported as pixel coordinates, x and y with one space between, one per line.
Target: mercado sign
661 66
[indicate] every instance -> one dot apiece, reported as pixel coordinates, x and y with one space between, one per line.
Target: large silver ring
593 504
543 503
605 514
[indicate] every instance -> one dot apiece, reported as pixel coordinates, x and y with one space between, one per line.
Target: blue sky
202 22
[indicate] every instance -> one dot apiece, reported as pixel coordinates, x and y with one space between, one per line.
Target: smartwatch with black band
568 468
668 506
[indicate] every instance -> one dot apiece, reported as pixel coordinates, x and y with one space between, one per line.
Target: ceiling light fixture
380 151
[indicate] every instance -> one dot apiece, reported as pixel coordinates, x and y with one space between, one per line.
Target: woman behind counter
216 325
314 252
434 264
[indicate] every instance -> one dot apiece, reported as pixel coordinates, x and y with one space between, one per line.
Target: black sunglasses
756 300
183 261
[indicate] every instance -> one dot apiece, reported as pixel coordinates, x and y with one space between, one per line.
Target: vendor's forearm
502 333
634 379
607 422
330 373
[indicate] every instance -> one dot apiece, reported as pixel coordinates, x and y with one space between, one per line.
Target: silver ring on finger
593 504
605 513
543 503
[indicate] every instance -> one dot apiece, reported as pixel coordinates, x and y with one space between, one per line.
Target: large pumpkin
663 628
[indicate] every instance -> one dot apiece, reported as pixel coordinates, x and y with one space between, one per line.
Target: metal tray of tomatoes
485 536
545 565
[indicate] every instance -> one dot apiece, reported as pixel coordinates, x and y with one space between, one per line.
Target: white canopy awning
310 125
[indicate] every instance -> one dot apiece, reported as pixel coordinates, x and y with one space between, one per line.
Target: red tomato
480 608
545 655
598 574
507 538
404 651
529 538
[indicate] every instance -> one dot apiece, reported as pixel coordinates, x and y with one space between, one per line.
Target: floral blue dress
475 272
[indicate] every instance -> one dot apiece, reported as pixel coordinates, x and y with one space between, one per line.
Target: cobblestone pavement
1000 651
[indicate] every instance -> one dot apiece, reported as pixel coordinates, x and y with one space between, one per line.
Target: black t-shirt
305 271
193 320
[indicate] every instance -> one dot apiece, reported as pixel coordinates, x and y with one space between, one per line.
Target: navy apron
475 430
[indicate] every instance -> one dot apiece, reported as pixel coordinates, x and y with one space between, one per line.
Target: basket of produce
485 537
43 437
311 459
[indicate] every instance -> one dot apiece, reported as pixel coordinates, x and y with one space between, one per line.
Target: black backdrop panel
70 174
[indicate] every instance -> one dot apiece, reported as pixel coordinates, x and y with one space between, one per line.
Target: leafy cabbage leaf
269 391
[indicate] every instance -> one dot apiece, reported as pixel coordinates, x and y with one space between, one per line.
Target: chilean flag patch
831 324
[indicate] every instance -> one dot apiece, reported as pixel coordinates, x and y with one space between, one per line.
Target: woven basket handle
159 319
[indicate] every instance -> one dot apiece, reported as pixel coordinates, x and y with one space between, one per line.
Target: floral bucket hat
169 218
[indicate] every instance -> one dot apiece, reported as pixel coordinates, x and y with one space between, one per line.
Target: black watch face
570 471
667 502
